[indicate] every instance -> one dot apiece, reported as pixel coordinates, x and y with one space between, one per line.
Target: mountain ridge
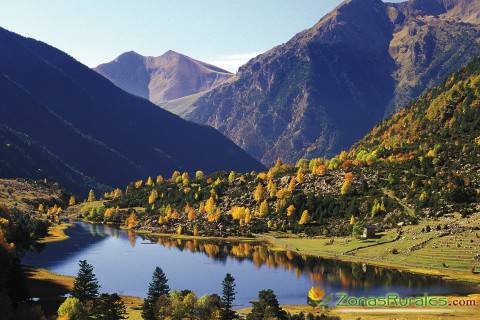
87 122
326 87
169 76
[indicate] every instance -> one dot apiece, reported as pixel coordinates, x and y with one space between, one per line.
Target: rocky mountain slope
96 128
325 88
160 79
418 165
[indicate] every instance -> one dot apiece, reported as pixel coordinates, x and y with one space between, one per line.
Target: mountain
416 168
326 87
96 128
22 157
160 79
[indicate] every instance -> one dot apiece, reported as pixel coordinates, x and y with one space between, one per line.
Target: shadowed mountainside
96 128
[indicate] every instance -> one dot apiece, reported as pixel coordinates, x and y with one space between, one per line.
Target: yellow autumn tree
91 196
290 210
160 179
272 188
210 206
149 182
291 184
347 183
201 208
153 196
41 208
72 201
108 214
185 179
175 175
248 216
131 221
263 210
199 175
300 175
259 193
352 220
231 177
191 215
138 184
305 218
179 229
117 193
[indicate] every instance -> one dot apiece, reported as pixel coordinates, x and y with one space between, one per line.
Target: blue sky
223 32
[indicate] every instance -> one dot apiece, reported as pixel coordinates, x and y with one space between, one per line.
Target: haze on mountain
324 89
56 112
159 79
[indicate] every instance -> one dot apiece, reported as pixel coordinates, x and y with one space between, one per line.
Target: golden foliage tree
149 182
72 201
259 193
153 196
191 215
292 184
138 184
305 218
210 206
231 177
199 175
290 210
300 175
131 221
160 179
263 209
41 208
347 183
117 193
91 196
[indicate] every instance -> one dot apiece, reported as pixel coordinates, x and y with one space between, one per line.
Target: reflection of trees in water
344 274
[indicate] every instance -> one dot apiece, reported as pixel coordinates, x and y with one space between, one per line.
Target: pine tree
157 287
228 297
267 307
85 286
109 307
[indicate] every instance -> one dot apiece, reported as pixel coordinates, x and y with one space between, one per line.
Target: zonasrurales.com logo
317 297
390 300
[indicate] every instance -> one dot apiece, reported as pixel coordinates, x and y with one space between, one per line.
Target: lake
124 263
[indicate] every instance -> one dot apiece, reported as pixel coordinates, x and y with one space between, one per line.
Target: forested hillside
422 162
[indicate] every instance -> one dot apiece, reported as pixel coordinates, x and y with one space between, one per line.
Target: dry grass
56 233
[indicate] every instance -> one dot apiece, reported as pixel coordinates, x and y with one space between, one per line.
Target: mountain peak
163 78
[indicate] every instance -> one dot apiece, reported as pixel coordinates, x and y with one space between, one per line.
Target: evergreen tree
228 297
267 307
85 286
109 307
157 287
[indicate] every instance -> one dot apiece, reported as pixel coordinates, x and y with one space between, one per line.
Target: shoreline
276 244
52 281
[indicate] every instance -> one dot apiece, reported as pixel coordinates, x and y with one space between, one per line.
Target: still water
124 262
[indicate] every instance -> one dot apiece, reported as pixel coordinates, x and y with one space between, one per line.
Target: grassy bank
56 233
446 253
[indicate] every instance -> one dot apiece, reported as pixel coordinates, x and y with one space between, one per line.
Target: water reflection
345 275
124 262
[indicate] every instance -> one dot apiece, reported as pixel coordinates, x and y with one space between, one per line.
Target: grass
431 253
56 233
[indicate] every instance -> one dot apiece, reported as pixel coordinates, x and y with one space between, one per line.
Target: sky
226 33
